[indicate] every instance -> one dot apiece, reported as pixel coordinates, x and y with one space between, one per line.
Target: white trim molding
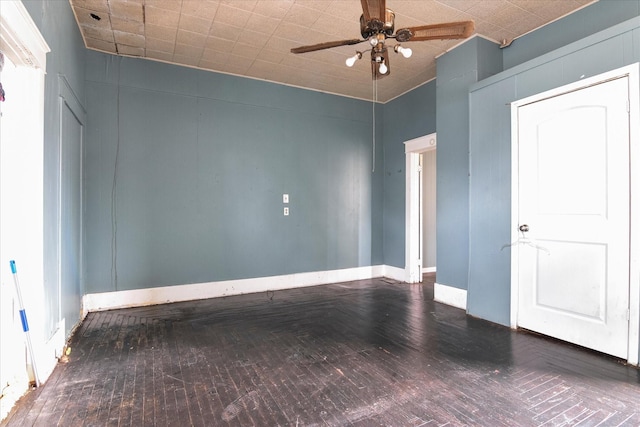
449 295
196 291
412 149
25 48
20 38
394 273
421 144
634 239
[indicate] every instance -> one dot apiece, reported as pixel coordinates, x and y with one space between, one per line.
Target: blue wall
185 169
471 206
457 71
409 116
57 25
197 162
596 17
490 151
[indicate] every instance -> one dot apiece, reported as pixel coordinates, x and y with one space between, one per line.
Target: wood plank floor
366 353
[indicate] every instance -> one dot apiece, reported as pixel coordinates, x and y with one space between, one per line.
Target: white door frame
633 72
412 149
24 46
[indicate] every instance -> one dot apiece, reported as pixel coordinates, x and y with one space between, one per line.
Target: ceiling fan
377 25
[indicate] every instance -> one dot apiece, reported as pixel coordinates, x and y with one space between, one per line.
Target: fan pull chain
373 109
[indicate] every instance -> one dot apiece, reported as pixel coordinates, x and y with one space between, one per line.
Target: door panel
71 216
587 274
583 190
574 197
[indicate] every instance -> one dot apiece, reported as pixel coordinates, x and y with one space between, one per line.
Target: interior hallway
366 353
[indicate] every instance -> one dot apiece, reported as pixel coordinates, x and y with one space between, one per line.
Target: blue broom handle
23 319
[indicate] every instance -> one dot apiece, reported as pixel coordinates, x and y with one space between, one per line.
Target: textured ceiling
253 38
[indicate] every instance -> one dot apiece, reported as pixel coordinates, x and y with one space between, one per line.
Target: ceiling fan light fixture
383 68
377 40
405 51
352 59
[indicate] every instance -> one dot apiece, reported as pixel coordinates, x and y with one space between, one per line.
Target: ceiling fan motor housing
375 26
403 35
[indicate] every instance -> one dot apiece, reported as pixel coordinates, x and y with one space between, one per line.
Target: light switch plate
285 198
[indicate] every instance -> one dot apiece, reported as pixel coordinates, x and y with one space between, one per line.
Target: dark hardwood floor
366 353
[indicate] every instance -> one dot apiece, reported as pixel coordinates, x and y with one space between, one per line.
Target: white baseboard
449 295
395 273
195 291
428 269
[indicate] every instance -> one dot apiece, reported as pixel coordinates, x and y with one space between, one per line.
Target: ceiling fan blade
444 31
325 45
373 9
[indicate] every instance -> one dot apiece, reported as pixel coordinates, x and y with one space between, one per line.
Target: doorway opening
420 206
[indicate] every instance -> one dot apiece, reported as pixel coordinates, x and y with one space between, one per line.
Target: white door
413 207
574 200
429 211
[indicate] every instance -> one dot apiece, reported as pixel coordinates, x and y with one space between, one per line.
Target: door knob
524 228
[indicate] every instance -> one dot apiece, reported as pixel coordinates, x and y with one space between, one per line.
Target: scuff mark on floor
235 408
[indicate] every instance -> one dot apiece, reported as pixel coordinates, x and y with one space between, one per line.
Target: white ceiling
253 38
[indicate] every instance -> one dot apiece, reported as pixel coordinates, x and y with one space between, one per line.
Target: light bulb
405 51
383 68
352 59
373 41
